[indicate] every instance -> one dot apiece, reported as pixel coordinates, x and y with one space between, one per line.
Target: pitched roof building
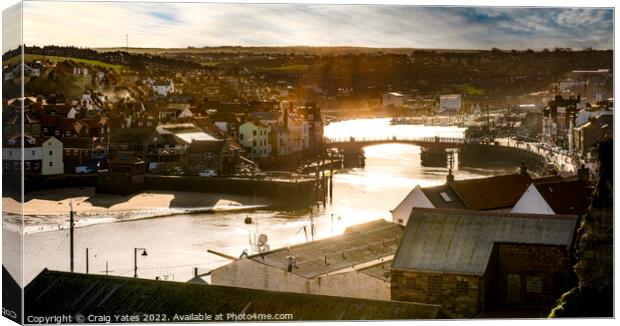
52 293
331 266
499 193
468 261
555 197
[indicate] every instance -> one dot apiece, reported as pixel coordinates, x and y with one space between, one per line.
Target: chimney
450 177
291 263
523 169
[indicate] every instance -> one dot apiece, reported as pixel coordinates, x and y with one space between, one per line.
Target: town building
558 120
163 87
393 100
125 175
52 293
450 103
254 137
33 69
220 156
473 261
169 143
585 136
13 152
83 154
492 193
52 156
351 265
554 197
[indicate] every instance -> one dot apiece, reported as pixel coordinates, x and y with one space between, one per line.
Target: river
178 243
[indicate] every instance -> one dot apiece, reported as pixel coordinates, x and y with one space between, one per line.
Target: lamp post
71 236
135 259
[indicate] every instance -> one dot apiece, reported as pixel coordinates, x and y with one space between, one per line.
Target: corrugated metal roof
380 271
53 293
461 241
356 246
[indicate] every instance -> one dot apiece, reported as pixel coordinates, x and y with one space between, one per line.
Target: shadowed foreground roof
53 293
461 241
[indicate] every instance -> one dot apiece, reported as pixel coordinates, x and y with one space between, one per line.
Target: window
254 132
445 197
51 163
533 284
33 152
241 136
51 153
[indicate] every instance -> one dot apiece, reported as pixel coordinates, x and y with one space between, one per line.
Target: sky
168 25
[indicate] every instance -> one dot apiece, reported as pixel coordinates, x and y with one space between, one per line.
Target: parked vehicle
208 173
84 169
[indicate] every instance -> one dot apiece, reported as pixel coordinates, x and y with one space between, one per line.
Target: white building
254 136
163 88
393 99
450 102
51 157
556 197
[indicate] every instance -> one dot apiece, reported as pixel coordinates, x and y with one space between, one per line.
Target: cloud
105 24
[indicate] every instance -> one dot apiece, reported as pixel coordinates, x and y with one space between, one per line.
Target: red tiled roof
564 197
491 193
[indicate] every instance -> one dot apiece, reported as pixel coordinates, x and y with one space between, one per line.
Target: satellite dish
262 243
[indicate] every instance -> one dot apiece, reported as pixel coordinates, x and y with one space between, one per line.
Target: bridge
352 143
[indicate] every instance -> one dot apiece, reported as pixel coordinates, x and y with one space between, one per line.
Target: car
208 173
84 169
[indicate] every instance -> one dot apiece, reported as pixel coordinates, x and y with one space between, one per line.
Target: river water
177 244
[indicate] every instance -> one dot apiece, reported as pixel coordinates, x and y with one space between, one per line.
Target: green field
34 57
470 90
286 68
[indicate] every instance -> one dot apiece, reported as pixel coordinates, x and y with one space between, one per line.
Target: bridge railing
394 139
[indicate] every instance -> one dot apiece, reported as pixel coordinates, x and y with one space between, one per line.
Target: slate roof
461 241
52 293
360 245
491 193
206 146
434 196
564 197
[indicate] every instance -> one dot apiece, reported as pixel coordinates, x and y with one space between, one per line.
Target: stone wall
461 295
533 275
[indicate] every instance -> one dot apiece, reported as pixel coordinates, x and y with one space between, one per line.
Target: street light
135 259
